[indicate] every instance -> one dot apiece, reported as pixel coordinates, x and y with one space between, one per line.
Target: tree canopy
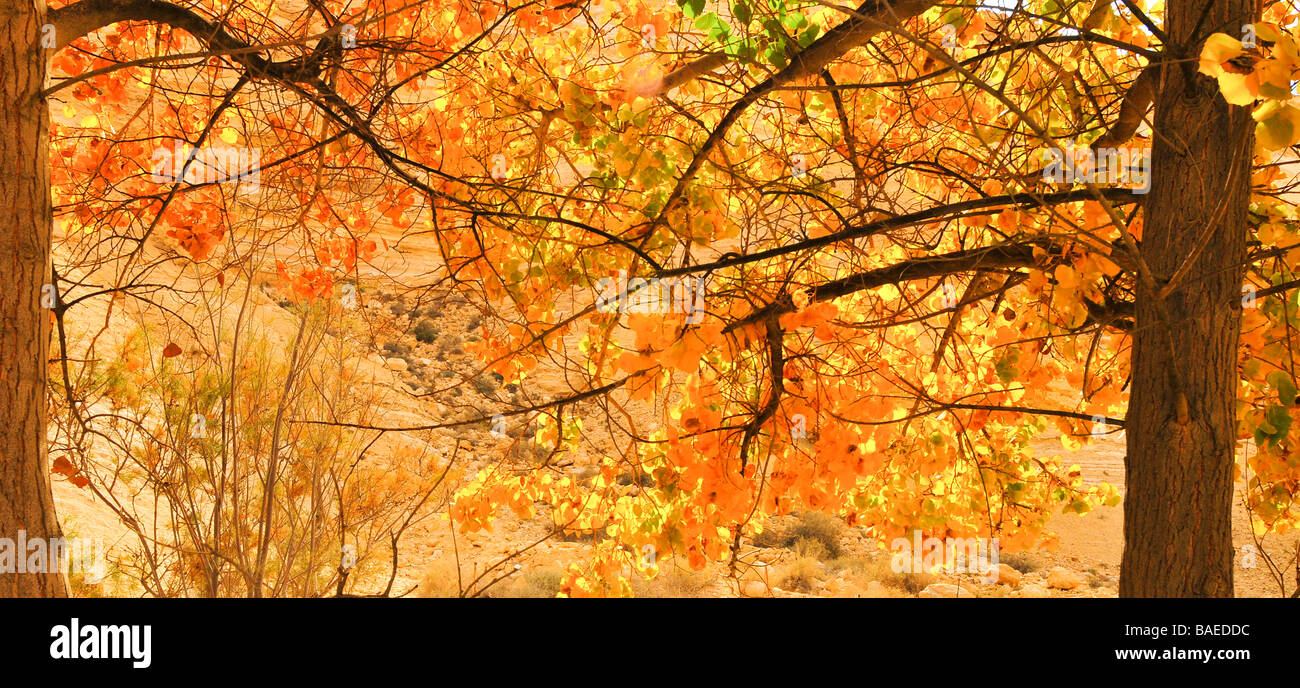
785 255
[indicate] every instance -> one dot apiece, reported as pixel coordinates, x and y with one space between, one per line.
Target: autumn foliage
895 303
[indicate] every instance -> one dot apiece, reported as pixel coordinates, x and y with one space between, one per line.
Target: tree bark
26 503
1181 425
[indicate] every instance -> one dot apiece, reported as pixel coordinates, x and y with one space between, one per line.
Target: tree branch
87 16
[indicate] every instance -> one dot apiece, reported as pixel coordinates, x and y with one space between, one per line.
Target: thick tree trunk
1181 423
25 500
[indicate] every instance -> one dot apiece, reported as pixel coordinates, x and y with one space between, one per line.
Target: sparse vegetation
426 331
396 349
909 582
1024 562
440 580
542 582
814 534
801 575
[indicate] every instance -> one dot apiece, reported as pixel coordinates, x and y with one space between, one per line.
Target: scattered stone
937 590
1062 578
1033 591
755 589
395 364
1008 576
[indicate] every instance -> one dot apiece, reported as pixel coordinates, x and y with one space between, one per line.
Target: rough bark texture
25 500
1178 506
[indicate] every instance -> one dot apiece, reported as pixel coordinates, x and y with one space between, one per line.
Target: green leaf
775 56
691 8
708 21
809 35
1277 422
1285 386
741 11
773 29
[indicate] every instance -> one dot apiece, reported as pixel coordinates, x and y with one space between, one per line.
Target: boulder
1062 578
1008 576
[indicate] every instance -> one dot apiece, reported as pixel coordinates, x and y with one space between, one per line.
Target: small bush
1024 562
440 580
814 525
396 349
542 582
801 575
673 582
484 385
426 332
807 547
449 343
911 582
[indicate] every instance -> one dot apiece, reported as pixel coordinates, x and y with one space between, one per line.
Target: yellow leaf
1219 48
1278 125
229 135
1239 89
1066 277
1274 79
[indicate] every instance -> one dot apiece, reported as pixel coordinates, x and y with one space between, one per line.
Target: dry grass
801 575
1024 562
912 583
814 535
541 582
673 581
440 580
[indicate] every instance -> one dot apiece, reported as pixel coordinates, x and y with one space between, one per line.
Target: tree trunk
26 503
1181 424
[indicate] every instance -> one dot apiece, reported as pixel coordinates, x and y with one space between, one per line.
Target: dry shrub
800 575
440 580
913 583
542 582
814 535
809 548
673 581
1024 562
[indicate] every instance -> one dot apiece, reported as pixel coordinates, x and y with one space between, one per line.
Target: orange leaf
63 466
171 351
